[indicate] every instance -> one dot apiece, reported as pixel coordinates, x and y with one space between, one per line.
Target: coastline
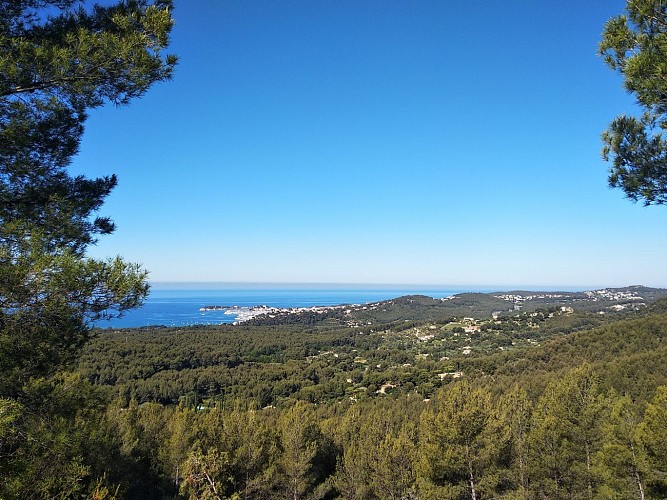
243 314
186 305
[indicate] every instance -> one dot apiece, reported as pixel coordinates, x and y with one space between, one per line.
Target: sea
178 304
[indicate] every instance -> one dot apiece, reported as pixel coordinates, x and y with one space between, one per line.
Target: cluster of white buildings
615 295
521 298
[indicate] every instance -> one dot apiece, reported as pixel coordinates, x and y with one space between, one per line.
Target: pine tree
635 45
652 433
458 445
57 61
565 434
515 414
299 446
621 462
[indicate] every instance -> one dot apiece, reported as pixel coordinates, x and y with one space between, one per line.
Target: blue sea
178 304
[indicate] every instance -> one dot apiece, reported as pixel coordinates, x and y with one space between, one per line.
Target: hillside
473 305
630 355
409 342
370 411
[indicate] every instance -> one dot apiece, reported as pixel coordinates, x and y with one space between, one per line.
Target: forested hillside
266 412
318 360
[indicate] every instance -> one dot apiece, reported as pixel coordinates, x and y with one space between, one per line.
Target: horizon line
311 284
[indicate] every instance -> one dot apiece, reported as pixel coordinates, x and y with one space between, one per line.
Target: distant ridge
479 305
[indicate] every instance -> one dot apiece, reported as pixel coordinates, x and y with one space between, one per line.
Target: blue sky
355 141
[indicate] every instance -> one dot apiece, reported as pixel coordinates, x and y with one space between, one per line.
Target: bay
178 304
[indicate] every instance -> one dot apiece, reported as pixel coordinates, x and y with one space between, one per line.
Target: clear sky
354 141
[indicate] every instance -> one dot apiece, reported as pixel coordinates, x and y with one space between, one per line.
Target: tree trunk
522 473
473 493
638 478
588 470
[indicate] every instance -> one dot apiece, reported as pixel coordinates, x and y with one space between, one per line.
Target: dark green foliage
222 362
621 461
629 353
411 307
635 45
53 445
326 362
565 435
51 72
652 434
544 421
465 443
58 59
46 302
459 446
